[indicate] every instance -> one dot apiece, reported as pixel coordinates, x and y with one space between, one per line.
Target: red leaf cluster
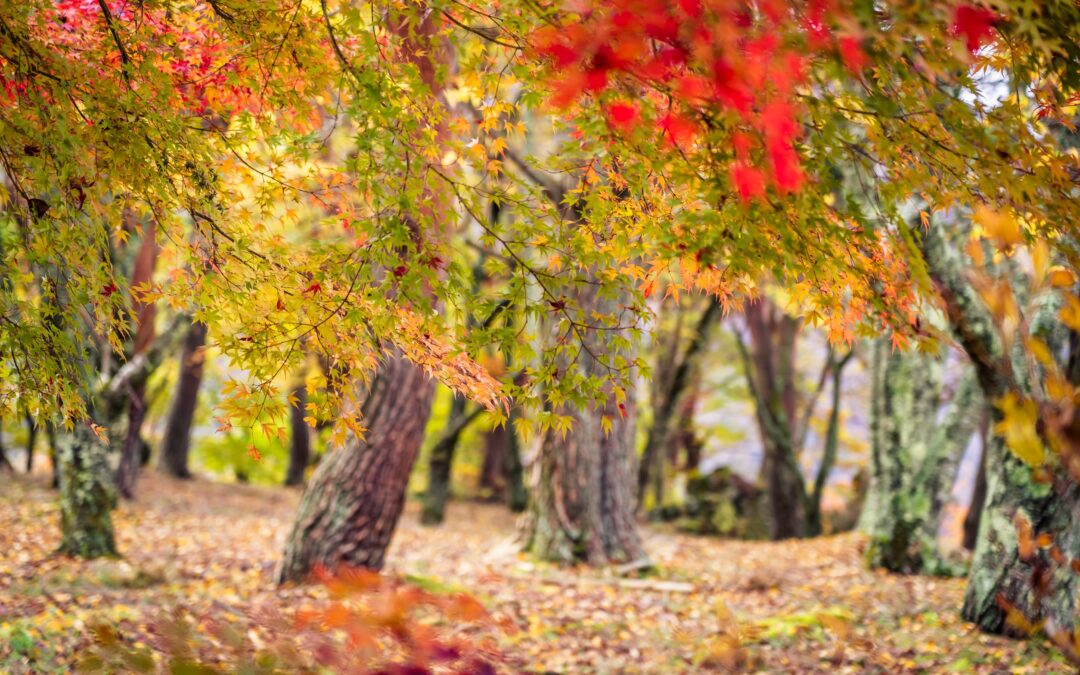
701 60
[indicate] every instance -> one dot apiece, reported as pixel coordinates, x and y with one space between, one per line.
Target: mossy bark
914 458
582 506
87 494
1014 585
582 498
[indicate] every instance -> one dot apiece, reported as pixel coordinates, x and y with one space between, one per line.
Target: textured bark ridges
582 487
355 497
914 458
174 452
87 494
1010 590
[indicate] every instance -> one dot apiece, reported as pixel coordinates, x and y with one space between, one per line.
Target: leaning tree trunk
672 401
354 500
915 458
174 452
1016 583
87 494
300 443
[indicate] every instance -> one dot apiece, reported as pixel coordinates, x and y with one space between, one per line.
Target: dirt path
712 605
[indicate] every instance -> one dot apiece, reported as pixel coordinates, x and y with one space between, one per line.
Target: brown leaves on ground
710 605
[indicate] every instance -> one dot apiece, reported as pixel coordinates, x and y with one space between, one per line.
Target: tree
441 460
783 413
299 438
671 394
353 501
914 457
177 440
1015 583
145 312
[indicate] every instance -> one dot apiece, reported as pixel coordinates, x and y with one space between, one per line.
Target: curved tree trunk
354 500
87 494
174 451
1015 585
145 313
671 401
300 443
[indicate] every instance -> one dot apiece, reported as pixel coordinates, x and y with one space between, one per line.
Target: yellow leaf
1000 227
1019 417
1061 277
1070 313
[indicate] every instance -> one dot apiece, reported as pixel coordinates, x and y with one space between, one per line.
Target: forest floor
710 605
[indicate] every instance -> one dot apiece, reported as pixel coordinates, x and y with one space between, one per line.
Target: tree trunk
1010 575
300 443
915 458
1014 585
493 469
583 501
671 400
31 441
439 464
355 497
770 375
5 463
814 520
131 449
87 494
145 313
517 498
978 493
174 452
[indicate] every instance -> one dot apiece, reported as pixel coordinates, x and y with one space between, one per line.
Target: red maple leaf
974 24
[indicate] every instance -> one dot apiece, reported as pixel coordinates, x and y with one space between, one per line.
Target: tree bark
177 443
355 497
978 493
440 462
493 468
31 441
87 494
814 519
770 375
517 498
145 313
300 443
1014 585
583 502
915 458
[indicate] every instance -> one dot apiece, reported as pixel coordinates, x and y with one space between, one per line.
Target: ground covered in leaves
708 605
